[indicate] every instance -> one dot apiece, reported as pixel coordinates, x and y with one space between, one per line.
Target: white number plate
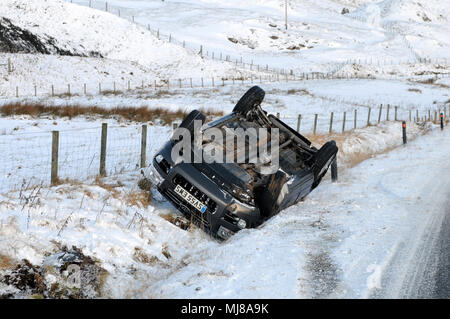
190 198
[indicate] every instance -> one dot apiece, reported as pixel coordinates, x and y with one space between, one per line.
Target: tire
323 159
188 122
267 197
253 97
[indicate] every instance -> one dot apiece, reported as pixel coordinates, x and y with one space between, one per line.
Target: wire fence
124 87
29 157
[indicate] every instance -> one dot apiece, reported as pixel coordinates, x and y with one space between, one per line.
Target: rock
65 274
14 39
345 11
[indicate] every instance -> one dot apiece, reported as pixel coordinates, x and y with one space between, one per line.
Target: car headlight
155 176
242 223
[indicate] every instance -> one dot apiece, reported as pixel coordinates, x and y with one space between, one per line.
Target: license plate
190 198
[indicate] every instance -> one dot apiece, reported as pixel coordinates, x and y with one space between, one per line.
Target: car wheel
323 159
188 122
253 97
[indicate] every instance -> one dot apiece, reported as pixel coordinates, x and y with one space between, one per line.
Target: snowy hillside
117 47
318 34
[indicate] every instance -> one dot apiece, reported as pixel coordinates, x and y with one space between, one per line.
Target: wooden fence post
35 90
53 90
343 122
387 113
395 113
143 145
103 149
368 117
410 115
299 120
355 119
315 124
55 148
84 88
17 91
68 90
331 123
379 113
9 65
190 82
429 115
417 115
99 88
212 81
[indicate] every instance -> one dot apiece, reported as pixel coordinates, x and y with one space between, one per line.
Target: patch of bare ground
136 114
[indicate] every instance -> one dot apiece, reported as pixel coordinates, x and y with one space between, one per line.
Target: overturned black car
223 197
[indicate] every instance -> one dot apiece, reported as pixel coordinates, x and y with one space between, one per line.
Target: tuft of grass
6 262
137 114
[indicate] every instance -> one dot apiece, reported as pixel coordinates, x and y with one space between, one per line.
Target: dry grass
140 256
138 198
137 114
340 138
6 262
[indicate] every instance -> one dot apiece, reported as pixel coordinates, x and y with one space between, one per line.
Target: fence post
143 145
442 121
212 81
429 115
99 88
331 123
53 90
9 65
379 113
395 114
17 91
54 168
435 117
334 170
106 6
179 82
387 113
299 120
354 119
84 88
35 90
202 82
103 149
315 124
190 80
410 115
404 132
368 117
343 123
